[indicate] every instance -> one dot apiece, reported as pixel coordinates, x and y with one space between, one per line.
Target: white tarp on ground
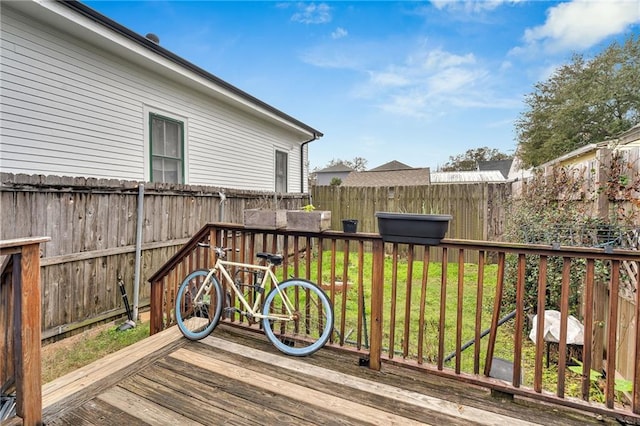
575 330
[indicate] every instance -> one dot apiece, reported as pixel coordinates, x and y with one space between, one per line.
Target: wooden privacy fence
407 309
478 209
20 368
92 224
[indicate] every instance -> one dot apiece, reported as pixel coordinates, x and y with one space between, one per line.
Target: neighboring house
625 142
82 95
503 166
587 159
630 138
391 166
393 173
517 172
491 176
326 175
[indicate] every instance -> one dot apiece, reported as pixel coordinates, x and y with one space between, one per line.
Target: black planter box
427 229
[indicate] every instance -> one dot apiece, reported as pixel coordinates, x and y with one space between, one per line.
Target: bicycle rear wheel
312 322
198 305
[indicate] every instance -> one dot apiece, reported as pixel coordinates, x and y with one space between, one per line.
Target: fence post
377 297
603 166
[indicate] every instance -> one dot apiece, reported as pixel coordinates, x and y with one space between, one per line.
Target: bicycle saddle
275 259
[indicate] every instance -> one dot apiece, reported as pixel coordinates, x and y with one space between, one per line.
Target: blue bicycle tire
309 333
197 319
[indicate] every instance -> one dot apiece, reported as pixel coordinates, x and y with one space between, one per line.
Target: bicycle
296 315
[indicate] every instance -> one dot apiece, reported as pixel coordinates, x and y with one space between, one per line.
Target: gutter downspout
315 137
137 272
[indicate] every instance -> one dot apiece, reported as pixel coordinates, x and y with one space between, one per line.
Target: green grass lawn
407 316
77 351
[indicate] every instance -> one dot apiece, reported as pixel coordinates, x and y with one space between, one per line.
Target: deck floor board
239 397
237 377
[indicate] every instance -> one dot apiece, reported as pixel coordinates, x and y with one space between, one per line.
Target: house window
281 171
167 149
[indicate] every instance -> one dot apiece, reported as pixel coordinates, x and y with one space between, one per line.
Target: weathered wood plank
236 401
143 409
437 405
126 250
459 393
326 402
109 369
330 387
97 412
14 245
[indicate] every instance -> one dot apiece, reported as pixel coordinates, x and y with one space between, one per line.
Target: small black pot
349 225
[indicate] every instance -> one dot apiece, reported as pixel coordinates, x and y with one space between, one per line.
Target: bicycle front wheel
310 324
198 305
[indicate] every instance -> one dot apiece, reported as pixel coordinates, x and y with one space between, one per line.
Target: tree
358 164
469 160
583 102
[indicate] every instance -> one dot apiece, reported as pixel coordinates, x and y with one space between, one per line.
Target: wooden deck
236 377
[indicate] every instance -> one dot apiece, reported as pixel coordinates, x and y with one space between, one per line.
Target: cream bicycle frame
254 310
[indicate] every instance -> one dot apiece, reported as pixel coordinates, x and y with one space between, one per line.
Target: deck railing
20 325
393 304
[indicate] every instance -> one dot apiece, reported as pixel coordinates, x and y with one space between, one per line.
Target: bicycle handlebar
220 251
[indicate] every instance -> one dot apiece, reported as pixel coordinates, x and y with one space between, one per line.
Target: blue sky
412 81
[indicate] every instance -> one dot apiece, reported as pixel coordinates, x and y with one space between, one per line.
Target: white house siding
69 108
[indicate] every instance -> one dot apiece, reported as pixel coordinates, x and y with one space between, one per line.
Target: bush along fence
595 203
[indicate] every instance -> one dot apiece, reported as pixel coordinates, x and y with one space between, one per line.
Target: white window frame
276 176
176 116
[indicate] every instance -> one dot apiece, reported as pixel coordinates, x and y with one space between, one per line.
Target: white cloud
324 58
452 80
389 79
506 65
410 104
580 24
416 80
311 13
339 33
439 59
429 83
471 6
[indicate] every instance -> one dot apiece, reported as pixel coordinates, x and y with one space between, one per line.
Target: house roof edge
167 54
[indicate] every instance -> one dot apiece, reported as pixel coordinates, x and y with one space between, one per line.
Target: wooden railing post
156 323
28 302
377 299
27 326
